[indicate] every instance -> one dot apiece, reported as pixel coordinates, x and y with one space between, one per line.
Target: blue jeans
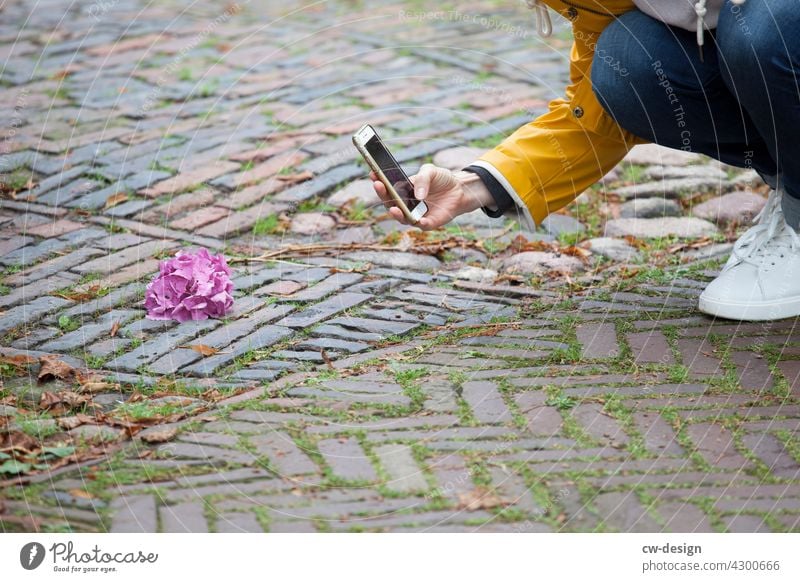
740 104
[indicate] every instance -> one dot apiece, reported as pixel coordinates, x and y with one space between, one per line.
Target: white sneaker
761 280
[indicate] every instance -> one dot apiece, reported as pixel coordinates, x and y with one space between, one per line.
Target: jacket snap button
578 112
572 13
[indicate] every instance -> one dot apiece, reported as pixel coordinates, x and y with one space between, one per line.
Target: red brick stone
54 229
200 217
187 180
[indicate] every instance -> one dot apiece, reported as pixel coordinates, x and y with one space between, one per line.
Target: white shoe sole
760 311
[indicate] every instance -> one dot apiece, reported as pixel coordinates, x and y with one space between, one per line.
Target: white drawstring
544 26
701 11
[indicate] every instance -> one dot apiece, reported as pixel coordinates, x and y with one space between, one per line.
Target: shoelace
770 227
763 226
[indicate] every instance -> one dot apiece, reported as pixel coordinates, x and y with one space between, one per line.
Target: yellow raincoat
551 160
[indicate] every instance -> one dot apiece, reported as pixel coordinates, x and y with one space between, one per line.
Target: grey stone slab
486 402
261 338
218 339
404 475
134 514
325 309
288 458
88 333
380 327
29 313
161 344
347 459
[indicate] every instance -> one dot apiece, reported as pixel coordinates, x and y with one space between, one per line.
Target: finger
373 176
398 215
422 181
427 224
380 190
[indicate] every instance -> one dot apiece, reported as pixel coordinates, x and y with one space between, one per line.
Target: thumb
422 181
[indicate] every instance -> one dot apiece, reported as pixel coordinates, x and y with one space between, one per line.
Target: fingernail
420 193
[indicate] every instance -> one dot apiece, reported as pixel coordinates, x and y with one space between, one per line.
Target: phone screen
392 170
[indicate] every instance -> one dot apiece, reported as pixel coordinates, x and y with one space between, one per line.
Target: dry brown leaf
90 293
69 422
202 349
161 435
95 386
17 440
53 368
295 178
82 493
114 328
480 498
49 400
327 358
114 199
18 360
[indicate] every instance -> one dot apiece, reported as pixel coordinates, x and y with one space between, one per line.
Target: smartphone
382 162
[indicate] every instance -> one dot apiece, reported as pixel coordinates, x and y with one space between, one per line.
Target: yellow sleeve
547 163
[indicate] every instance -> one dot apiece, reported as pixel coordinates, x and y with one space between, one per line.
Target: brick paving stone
279 288
14 243
218 339
744 523
650 348
195 451
347 459
684 518
625 513
55 228
659 437
135 514
511 487
187 180
282 452
404 475
324 309
52 267
773 454
380 327
262 337
791 371
754 373
161 344
541 419
237 522
325 287
647 390
199 218
114 261
699 356
715 444
88 333
183 518
598 340
453 476
600 425
28 313
35 289
486 402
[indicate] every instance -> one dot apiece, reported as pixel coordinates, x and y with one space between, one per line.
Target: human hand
446 193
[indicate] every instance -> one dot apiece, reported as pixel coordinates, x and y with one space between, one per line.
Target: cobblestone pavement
481 378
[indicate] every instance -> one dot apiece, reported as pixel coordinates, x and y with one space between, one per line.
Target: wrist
476 194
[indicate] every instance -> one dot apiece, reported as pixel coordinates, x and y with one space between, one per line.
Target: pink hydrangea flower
190 286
